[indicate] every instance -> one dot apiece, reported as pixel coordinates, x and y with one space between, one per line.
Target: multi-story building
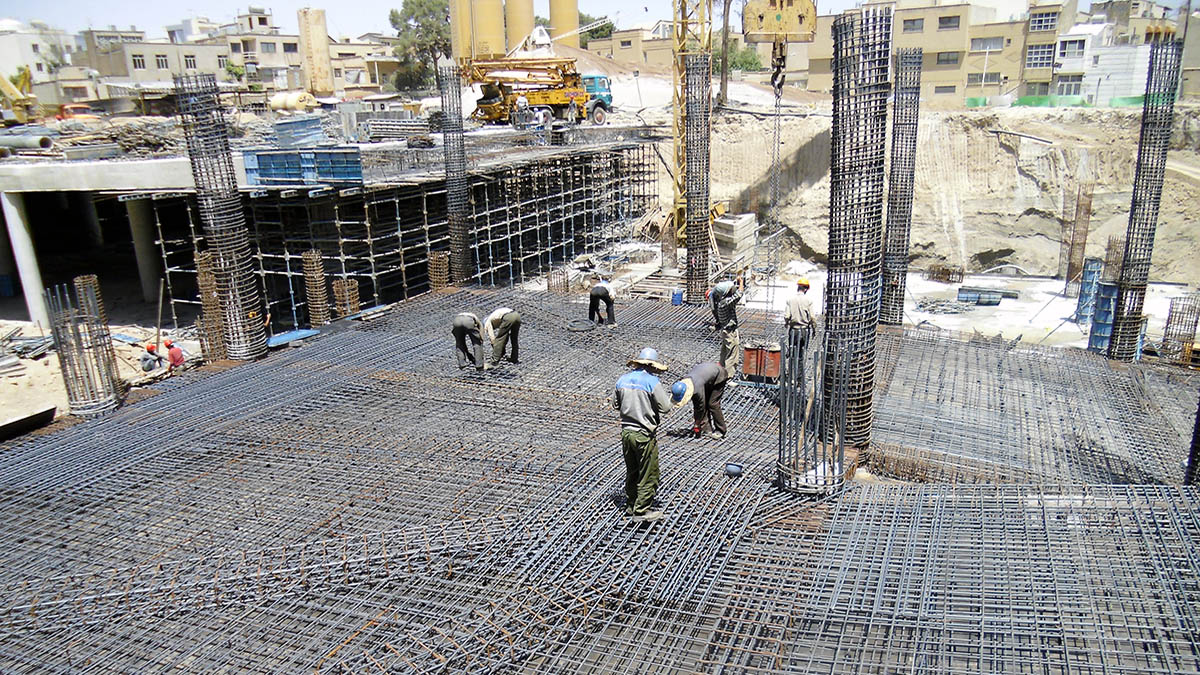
1047 20
1137 21
192 29
153 64
70 84
89 43
994 59
35 46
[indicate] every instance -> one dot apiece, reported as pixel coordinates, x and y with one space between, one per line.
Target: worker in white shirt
601 292
500 326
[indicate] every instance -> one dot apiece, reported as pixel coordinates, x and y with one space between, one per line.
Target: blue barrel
1102 317
968 296
677 296
1087 290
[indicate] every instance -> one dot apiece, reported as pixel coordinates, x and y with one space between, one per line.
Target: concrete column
149 262
13 205
82 205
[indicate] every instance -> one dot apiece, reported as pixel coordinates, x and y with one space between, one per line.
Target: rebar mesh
84 346
862 53
207 135
698 104
905 111
316 290
1113 254
1079 235
1179 335
212 334
462 266
1158 111
345 297
1191 473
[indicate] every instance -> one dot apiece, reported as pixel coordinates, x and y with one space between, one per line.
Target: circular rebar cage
85 350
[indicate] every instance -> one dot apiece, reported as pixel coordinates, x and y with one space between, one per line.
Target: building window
1039 56
160 62
1096 60
945 89
1037 89
1069 85
345 55
36 48
189 62
337 72
290 48
222 61
988 44
40 67
139 62
947 23
262 20
1070 49
75 92
947 58
267 47
1042 22
983 78
235 47
914 25
625 44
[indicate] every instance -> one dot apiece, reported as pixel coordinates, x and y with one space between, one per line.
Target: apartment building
35 46
1047 21
1136 21
152 65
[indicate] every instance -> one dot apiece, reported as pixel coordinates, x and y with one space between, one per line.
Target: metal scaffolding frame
905 112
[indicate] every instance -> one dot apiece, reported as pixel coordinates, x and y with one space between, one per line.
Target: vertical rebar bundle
212 334
698 101
89 285
1158 111
557 282
1079 234
439 270
345 296
1179 336
315 289
458 217
1191 474
905 111
811 442
207 135
84 346
1112 259
861 58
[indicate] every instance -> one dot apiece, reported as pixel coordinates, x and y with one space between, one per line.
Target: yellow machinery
693 35
20 105
549 84
779 22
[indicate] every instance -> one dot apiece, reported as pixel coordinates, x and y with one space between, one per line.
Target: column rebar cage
1158 111
462 264
1179 335
207 135
861 60
84 346
1113 253
212 334
905 110
439 270
698 103
316 288
1191 473
1077 249
808 463
345 297
558 281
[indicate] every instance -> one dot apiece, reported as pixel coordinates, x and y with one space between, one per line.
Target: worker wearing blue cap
642 400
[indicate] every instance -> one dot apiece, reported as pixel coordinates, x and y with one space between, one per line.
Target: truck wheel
599 116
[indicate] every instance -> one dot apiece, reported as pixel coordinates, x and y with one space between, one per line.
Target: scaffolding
905 111
1157 114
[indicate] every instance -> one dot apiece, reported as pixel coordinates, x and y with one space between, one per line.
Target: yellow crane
20 105
692 24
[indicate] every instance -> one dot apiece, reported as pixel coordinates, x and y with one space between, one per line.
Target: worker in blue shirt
642 401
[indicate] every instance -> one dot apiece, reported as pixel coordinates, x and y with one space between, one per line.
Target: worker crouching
642 401
704 386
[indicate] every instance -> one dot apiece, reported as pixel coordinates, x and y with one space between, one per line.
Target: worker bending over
500 326
798 315
641 400
601 291
723 299
704 386
466 327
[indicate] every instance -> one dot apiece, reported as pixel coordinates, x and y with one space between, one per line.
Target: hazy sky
355 18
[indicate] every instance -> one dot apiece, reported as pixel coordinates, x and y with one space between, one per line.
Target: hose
580 325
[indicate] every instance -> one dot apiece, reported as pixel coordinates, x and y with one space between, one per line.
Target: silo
564 18
460 30
518 15
487 20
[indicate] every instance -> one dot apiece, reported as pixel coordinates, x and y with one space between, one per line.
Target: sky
356 18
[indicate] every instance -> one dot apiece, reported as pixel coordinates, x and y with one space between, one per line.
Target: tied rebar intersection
905 112
207 134
1158 111
861 60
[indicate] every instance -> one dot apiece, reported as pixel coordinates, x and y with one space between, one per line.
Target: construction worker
573 111
798 314
704 386
641 400
150 359
174 355
601 291
466 326
723 299
500 325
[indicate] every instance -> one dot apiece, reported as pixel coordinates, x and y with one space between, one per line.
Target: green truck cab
600 101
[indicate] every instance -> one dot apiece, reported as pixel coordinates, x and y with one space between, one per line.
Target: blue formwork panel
1087 290
299 132
1102 317
338 166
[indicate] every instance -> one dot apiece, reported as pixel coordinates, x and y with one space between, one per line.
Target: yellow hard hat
802 281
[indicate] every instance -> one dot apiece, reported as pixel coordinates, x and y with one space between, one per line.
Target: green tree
412 74
235 71
423 27
743 59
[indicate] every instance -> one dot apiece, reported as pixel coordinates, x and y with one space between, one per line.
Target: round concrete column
149 262
19 235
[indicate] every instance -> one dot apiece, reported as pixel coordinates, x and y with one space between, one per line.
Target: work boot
716 435
648 517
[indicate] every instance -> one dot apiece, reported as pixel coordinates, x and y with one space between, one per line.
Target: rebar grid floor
360 504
